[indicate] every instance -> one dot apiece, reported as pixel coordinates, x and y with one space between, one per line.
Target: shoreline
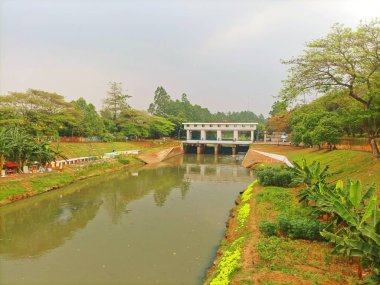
30 186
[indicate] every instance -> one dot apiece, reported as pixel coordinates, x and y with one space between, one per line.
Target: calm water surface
155 225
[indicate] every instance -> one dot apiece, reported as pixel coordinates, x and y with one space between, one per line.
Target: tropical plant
311 175
274 176
356 223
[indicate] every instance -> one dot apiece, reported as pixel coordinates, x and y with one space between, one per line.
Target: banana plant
356 222
311 175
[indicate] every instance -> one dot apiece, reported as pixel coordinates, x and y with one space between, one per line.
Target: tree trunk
2 159
374 147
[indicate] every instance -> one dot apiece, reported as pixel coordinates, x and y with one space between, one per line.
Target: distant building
219 128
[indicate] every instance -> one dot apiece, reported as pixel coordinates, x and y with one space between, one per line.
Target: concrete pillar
199 149
188 135
265 136
252 136
219 135
216 149
234 150
203 135
236 135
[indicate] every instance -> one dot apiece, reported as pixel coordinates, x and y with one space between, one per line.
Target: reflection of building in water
217 173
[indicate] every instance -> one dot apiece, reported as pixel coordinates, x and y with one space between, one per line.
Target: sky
225 55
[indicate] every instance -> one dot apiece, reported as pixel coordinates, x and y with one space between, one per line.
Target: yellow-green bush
228 264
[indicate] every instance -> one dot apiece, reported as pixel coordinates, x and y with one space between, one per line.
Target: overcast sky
224 54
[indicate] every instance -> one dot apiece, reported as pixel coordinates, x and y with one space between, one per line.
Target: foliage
299 227
16 145
247 194
180 111
90 124
243 214
116 100
268 228
274 176
278 107
279 122
345 61
273 249
40 113
229 263
356 223
134 123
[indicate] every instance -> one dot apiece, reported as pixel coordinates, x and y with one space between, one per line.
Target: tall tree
345 60
90 123
116 100
278 107
160 105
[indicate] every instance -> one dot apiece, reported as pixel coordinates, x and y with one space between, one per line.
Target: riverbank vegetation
358 165
18 187
343 70
316 231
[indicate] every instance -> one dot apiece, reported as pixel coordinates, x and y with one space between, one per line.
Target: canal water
154 225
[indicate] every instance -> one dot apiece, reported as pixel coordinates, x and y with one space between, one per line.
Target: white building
219 128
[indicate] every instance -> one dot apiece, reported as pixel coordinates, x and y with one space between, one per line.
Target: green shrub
300 227
275 176
229 263
124 161
243 213
268 228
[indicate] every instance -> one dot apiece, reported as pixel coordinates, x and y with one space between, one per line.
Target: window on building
242 126
227 126
203 126
195 125
218 126
211 126
235 126
187 125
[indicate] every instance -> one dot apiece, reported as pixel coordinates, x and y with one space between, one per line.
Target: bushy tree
40 113
346 61
90 123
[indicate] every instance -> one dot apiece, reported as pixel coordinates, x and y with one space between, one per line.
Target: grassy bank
280 242
358 165
92 149
29 185
22 186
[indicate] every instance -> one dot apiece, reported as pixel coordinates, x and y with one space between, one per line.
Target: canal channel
155 225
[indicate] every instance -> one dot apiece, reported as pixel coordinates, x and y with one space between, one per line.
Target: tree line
342 70
45 115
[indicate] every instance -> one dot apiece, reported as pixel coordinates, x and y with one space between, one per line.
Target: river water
154 225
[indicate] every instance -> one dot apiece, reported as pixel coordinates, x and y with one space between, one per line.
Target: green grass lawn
343 163
11 188
71 150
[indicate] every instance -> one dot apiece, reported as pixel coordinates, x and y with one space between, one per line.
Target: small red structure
10 167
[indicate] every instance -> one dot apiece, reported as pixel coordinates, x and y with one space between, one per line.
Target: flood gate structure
218 135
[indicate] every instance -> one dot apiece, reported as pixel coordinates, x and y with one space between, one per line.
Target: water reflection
120 204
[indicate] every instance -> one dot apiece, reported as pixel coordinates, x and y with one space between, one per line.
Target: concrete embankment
156 157
253 157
